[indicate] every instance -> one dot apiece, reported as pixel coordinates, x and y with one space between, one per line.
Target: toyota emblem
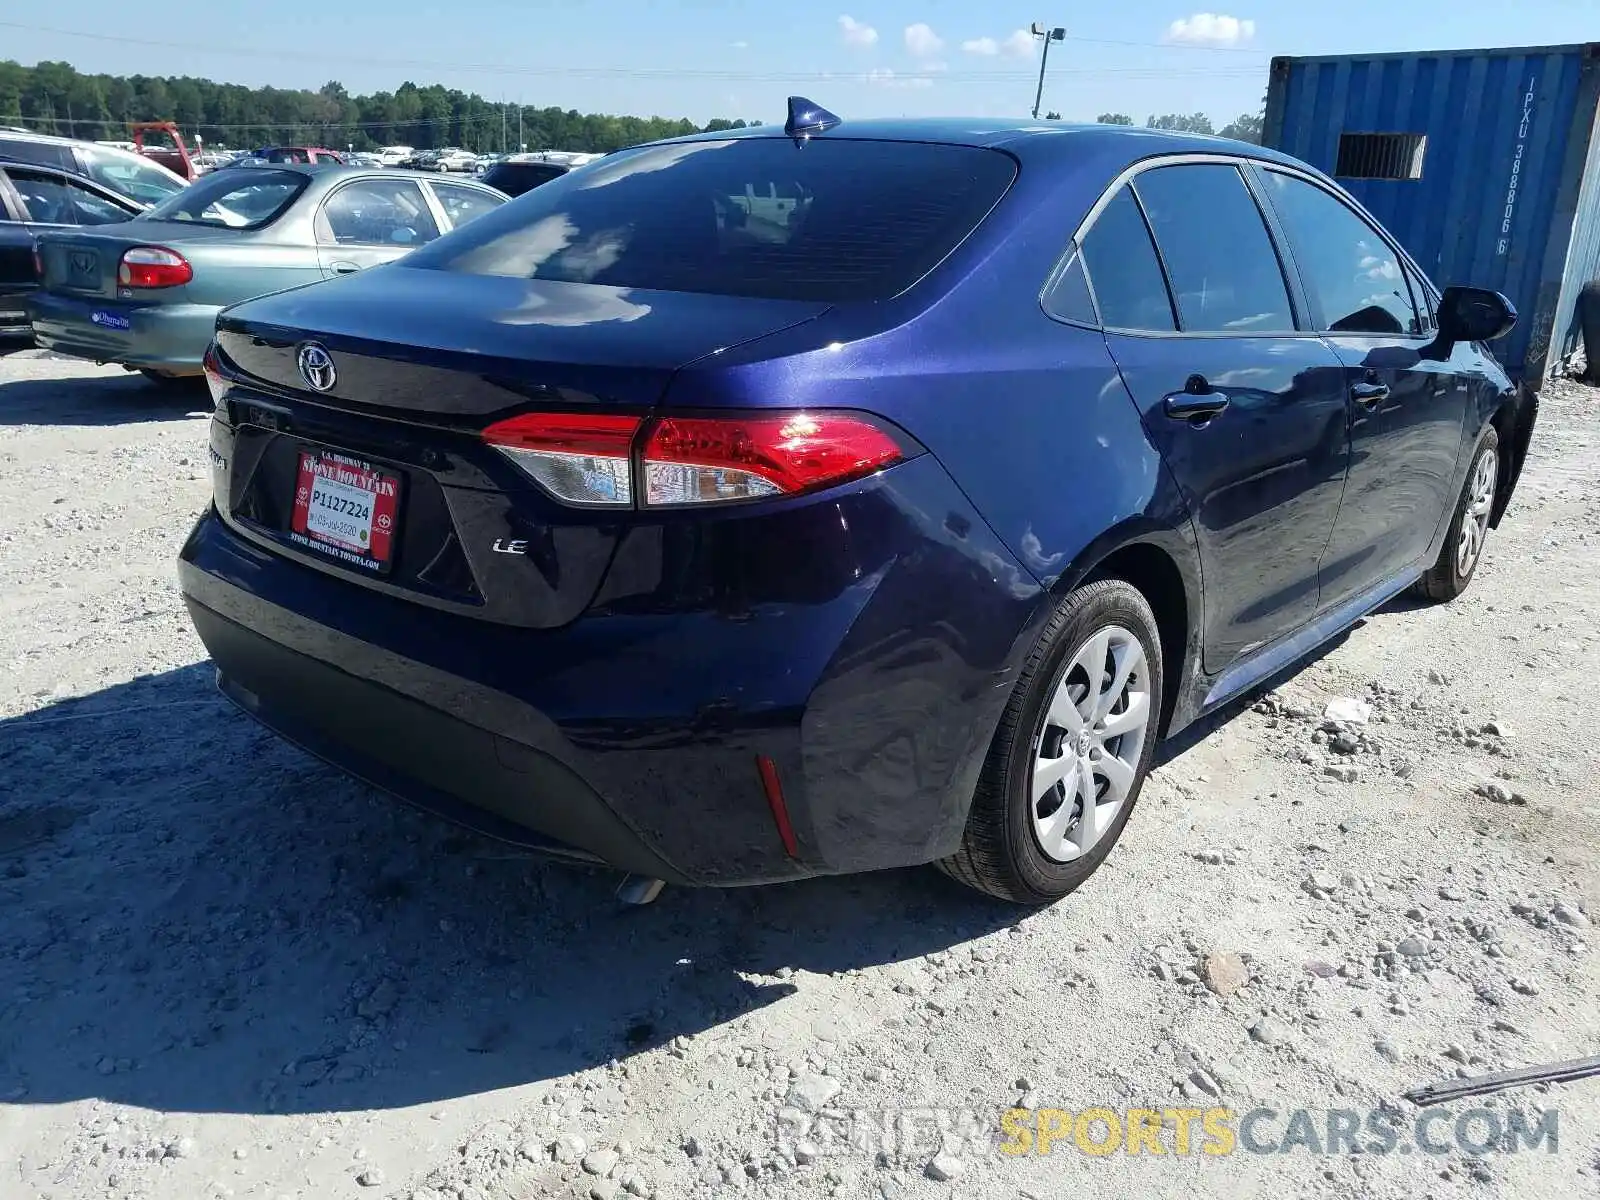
316 366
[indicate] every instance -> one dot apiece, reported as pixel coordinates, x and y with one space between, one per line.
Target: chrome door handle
1369 393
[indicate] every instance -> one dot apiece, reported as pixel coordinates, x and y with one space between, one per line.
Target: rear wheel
1073 748
1463 544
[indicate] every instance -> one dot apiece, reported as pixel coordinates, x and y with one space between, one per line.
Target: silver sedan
146 292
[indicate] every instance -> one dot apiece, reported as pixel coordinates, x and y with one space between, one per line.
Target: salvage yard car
898 531
146 294
35 200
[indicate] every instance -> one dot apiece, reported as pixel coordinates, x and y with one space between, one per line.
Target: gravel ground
227 971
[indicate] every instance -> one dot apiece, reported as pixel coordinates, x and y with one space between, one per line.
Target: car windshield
837 219
233 201
132 175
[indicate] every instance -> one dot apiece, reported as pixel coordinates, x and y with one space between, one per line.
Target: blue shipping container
1484 163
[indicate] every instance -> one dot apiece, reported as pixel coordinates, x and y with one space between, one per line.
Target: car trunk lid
416 364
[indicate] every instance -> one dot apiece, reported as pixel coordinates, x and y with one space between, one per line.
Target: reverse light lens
580 458
705 460
153 267
216 381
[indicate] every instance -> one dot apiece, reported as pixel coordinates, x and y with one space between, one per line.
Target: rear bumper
633 739
159 337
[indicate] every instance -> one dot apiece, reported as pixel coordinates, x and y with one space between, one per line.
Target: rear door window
1225 274
1124 271
378 212
461 204
1355 279
837 219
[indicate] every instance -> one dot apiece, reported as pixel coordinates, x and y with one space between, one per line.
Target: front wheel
1072 750
1469 528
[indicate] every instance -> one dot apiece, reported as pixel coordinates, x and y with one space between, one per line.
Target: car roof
1020 137
330 171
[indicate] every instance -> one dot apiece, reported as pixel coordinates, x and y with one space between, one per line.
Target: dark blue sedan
854 495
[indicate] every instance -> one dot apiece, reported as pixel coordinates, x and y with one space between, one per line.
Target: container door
1405 411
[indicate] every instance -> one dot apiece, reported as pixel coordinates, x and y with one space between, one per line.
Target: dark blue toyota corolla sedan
853 495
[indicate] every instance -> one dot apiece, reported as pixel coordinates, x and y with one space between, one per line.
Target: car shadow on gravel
100 400
200 918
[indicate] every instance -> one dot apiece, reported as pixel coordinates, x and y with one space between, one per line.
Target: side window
1420 293
45 154
1068 297
93 208
461 204
1225 274
379 212
47 199
1123 269
1352 275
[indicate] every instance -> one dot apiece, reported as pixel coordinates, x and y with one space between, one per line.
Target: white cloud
857 33
885 78
741 45
1019 44
1211 29
922 41
985 46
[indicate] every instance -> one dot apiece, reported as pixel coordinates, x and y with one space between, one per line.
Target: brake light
38 264
581 458
211 364
153 267
590 458
701 460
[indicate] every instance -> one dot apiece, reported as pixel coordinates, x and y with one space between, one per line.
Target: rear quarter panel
229 272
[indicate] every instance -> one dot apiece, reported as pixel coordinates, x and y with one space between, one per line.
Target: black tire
1445 580
1000 853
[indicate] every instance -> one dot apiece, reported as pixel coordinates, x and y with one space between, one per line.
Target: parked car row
225 235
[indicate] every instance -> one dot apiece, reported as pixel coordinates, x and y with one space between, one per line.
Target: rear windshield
833 219
243 200
515 178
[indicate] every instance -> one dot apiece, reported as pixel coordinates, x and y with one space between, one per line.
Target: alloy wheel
1087 751
1475 521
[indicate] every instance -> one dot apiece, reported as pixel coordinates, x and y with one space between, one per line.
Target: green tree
55 97
1178 123
1114 119
1245 128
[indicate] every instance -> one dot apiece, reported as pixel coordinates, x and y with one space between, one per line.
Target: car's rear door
1405 410
1246 406
370 221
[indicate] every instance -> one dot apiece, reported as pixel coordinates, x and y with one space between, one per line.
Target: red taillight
153 267
699 460
38 264
581 458
215 379
588 459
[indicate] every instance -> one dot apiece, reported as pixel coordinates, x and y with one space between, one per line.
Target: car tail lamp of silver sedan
153 267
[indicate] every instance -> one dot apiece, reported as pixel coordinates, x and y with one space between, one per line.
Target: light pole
1057 34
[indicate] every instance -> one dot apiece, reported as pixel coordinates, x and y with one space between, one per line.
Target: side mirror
1471 314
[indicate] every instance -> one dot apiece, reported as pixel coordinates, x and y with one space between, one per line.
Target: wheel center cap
1083 744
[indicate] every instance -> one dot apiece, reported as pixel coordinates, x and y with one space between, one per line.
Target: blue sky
739 58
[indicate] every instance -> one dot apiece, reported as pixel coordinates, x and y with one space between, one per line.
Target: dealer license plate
346 508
